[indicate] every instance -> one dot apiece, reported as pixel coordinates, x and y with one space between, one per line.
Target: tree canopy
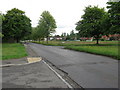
91 23
114 11
46 25
16 25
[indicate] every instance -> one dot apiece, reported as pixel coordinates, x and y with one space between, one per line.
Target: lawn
13 51
111 51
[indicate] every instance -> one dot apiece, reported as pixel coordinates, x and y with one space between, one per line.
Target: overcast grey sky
65 12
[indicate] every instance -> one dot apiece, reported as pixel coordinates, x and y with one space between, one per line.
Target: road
88 70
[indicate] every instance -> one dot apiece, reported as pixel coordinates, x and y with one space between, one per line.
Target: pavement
13 61
30 76
31 72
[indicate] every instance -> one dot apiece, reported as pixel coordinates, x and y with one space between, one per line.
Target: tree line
16 26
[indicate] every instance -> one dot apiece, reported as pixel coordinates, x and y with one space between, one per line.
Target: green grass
78 43
107 48
111 51
13 51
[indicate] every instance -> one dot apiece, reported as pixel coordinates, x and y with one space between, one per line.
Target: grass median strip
13 51
111 51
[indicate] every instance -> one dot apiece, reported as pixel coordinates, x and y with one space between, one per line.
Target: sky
65 12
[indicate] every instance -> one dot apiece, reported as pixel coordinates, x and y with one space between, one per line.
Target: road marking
58 75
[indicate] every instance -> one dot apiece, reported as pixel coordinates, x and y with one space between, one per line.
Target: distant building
111 37
86 38
57 37
104 37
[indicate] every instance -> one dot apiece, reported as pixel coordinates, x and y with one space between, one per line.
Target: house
111 37
57 37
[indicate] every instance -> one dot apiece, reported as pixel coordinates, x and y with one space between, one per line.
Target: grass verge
111 51
106 48
78 43
13 51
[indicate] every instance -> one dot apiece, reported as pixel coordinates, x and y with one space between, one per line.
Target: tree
63 35
42 29
72 35
34 33
90 25
106 24
114 11
68 37
16 25
47 24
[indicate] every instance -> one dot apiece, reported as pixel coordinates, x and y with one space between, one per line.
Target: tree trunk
39 39
47 39
17 40
97 41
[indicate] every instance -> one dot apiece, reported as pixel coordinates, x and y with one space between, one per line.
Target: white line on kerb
58 75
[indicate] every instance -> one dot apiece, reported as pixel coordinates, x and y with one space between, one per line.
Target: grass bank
111 51
13 51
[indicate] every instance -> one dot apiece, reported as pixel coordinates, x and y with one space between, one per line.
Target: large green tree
16 25
47 24
91 23
114 11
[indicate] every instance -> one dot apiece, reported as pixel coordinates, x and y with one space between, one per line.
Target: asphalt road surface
88 70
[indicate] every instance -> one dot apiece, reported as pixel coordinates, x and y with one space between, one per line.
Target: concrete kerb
29 61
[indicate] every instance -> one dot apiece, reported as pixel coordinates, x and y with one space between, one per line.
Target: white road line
58 75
